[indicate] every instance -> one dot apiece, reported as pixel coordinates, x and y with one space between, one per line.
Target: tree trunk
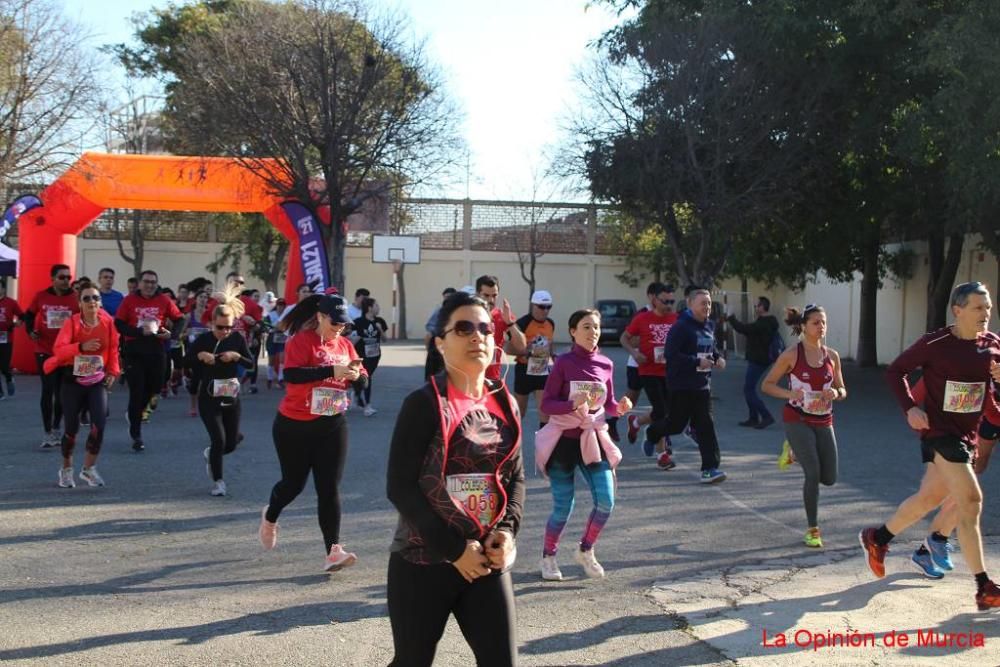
401 301
943 268
868 318
336 250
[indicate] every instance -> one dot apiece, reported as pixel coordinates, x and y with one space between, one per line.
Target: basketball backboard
387 249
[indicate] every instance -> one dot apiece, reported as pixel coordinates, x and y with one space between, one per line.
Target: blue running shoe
940 554
926 566
648 448
712 476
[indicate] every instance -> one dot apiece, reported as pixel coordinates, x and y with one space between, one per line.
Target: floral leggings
601 480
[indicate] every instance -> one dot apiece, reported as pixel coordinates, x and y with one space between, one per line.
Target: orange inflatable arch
98 181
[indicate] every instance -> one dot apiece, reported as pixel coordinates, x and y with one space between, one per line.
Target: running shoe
91 476
874 553
648 448
813 539
10 387
208 464
154 403
925 565
137 446
50 441
66 478
338 559
764 423
588 561
989 597
633 429
785 458
253 389
369 411
268 532
665 462
712 476
940 554
218 489
146 414
550 569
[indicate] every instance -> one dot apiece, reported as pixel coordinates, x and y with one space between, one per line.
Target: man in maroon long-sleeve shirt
960 364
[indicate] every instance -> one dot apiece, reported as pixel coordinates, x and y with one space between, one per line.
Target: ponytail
229 303
300 315
797 319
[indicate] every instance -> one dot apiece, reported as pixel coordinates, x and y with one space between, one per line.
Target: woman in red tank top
815 381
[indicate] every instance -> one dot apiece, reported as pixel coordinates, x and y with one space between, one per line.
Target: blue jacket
688 339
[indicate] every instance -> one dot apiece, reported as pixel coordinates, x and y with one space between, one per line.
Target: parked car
615 316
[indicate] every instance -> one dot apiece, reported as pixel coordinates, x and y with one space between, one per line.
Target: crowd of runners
455 468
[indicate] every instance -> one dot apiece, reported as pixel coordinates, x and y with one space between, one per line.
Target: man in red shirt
643 339
142 319
960 364
504 323
10 315
43 319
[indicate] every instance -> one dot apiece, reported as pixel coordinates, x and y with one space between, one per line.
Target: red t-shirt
9 311
50 311
495 370
307 350
136 309
652 331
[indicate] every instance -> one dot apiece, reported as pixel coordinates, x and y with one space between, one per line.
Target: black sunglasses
667 302
538 305
465 328
223 327
90 298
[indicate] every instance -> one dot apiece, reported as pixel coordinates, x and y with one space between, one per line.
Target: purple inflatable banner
312 251
14 211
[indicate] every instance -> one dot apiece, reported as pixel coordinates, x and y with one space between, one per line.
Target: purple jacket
579 370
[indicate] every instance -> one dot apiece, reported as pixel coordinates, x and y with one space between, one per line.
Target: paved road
151 569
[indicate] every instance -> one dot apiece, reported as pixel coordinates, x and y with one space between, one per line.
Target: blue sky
510 65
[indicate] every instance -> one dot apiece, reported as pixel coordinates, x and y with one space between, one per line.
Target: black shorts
525 384
988 431
632 377
950 447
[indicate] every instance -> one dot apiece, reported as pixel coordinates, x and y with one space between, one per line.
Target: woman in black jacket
456 477
214 358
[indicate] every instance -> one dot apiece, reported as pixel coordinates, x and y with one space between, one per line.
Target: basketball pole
396 264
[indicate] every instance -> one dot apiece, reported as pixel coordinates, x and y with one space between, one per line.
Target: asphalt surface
151 569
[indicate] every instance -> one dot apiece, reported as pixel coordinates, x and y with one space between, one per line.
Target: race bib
964 397
596 392
229 388
85 365
814 403
3 337
658 356
54 317
538 366
705 355
152 323
373 349
477 494
327 401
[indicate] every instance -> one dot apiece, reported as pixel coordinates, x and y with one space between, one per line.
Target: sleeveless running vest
813 409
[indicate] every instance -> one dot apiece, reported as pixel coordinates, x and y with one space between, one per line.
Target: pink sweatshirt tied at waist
593 439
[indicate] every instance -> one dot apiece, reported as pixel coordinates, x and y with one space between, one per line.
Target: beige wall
575 281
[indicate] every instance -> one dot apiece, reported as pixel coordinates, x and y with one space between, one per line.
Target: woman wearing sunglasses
86 349
455 476
310 430
815 381
214 359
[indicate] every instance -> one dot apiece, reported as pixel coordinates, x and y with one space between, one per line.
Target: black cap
335 306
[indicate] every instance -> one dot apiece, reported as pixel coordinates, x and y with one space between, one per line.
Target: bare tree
326 87
48 88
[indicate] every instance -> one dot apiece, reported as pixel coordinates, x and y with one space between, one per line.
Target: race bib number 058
964 397
327 402
477 494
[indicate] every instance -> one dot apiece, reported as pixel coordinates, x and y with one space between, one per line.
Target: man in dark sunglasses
761 343
531 368
43 320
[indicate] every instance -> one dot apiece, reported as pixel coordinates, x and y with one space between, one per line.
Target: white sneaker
66 478
550 569
219 489
49 440
589 563
338 559
369 411
91 476
208 464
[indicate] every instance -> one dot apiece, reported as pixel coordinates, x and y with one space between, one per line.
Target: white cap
469 289
541 298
